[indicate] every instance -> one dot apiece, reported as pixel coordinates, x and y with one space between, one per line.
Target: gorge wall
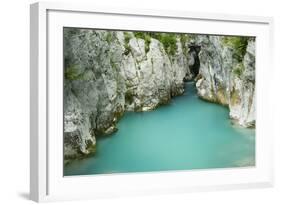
107 73
227 75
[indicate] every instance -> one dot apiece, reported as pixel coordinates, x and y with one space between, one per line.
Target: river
189 133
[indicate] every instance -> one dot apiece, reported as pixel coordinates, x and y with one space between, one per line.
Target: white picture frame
46 179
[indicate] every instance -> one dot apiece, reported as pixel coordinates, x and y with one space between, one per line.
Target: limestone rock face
93 86
108 73
227 78
152 77
243 110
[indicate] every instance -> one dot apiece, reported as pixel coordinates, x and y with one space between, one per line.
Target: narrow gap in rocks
193 64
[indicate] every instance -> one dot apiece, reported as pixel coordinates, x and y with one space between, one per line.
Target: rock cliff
227 75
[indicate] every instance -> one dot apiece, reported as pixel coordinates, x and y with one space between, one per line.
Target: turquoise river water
189 133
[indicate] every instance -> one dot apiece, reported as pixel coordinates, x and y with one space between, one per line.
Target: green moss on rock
72 73
127 38
146 37
238 70
185 39
238 44
169 41
109 37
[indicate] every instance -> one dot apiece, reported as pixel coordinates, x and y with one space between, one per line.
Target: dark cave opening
194 61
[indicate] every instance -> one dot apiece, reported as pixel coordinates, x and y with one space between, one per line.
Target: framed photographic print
128 101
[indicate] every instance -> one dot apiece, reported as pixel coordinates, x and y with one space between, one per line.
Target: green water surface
189 133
